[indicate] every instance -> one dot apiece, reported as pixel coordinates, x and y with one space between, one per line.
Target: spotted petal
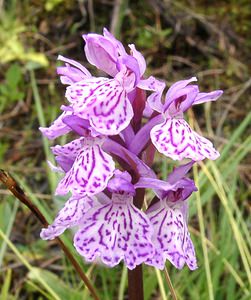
171 237
114 232
70 215
66 154
90 171
104 102
174 138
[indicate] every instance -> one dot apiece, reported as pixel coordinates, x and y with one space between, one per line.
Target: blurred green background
179 39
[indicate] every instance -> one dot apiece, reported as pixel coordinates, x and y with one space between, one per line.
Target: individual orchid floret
116 230
88 168
72 71
104 102
174 137
108 54
103 51
169 219
70 215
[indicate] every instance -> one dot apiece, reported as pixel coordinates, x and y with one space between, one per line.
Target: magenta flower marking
70 215
115 231
91 169
114 120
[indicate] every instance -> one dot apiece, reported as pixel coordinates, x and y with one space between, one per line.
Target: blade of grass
8 230
220 183
37 288
161 284
27 265
122 285
226 169
40 113
223 198
202 230
170 285
6 285
228 265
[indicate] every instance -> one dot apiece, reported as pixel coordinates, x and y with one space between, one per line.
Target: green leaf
13 75
57 285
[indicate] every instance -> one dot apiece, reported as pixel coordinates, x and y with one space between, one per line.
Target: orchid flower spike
112 123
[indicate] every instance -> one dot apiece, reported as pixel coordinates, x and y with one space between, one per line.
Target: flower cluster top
124 117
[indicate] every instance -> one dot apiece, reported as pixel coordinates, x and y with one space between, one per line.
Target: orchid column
106 166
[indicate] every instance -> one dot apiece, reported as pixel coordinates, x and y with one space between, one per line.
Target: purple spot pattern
70 150
114 232
65 155
171 238
70 215
104 102
90 171
57 128
175 138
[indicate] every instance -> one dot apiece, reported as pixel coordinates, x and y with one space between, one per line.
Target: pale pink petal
175 138
171 237
90 171
101 52
140 58
72 71
157 86
104 102
70 215
117 44
114 232
57 128
206 97
174 88
184 99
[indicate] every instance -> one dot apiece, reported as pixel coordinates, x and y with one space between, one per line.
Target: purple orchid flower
111 229
115 121
174 137
108 54
70 215
88 168
104 102
168 217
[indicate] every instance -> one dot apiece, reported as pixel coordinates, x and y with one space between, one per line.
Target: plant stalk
135 284
135 276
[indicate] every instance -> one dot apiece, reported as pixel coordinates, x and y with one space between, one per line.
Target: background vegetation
209 39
